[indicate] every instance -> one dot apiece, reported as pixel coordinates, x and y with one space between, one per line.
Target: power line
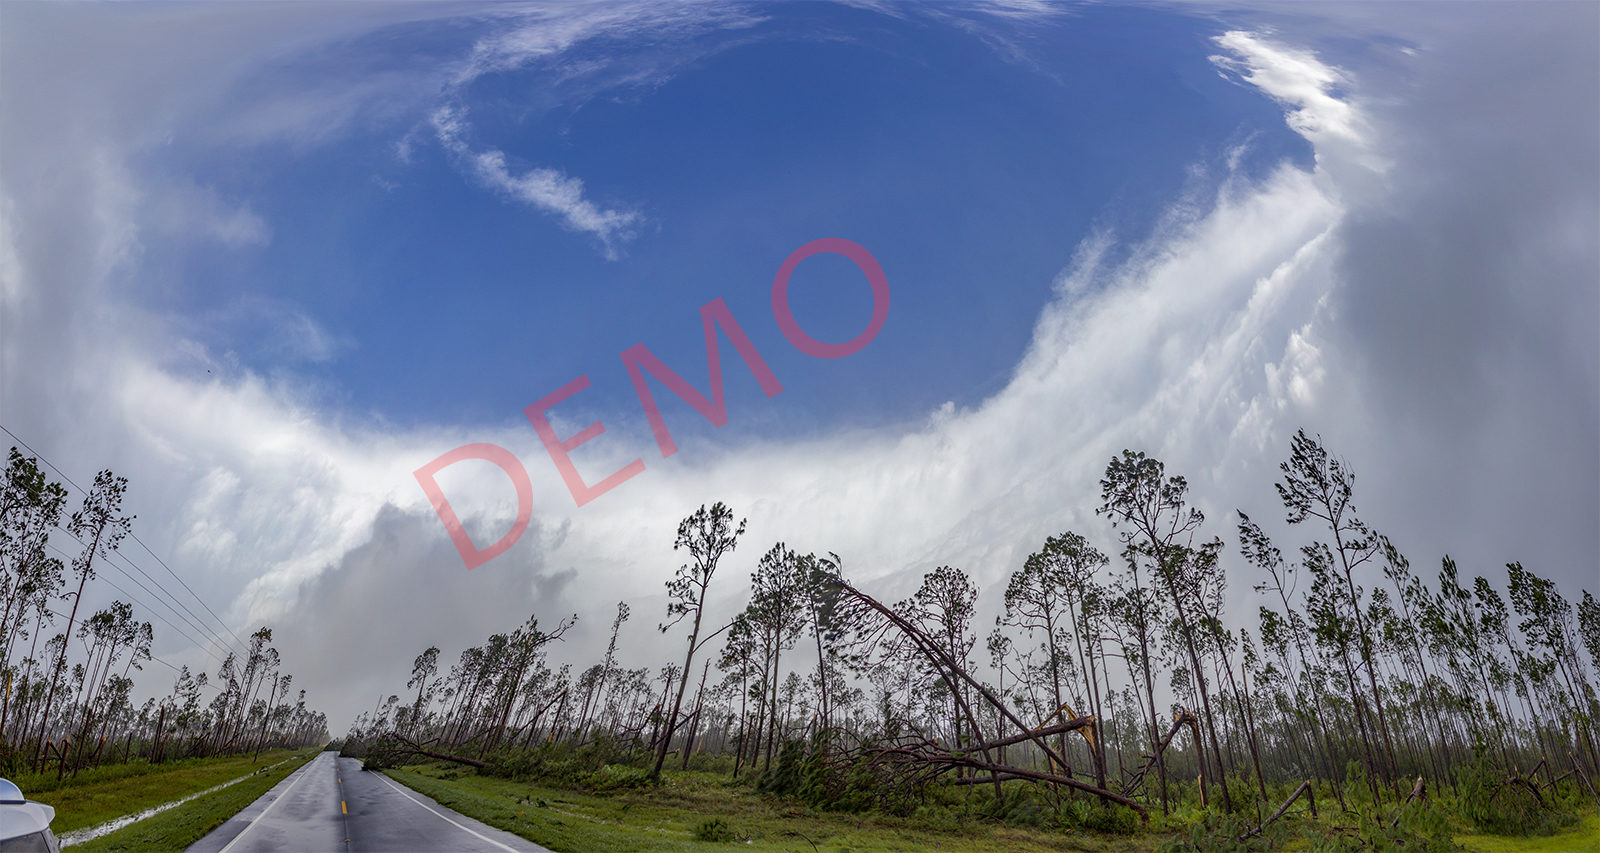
180 671
186 587
242 646
149 657
40 456
201 630
197 622
152 611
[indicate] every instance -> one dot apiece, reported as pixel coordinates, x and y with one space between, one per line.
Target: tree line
1131 672
68 696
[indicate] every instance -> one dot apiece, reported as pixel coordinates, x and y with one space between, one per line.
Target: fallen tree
1183 718
389 748
1303 791
919 759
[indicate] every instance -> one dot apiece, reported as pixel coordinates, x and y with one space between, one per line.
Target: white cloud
1318 110
1021 9
1297 79
1207 346
549 34
546 189
1200 348
186 210
301 338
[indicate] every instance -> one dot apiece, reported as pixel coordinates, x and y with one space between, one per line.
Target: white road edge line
304 772
443 817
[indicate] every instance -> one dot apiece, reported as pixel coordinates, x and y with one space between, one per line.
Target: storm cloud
1426 297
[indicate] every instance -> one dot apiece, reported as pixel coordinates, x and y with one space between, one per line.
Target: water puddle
79 836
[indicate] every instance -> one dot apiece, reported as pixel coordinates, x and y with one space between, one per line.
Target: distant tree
1157 524
741 660
100 526
708 535
1318 485
597 689
1043 596
942 607
422 671
1589 628
777 613
1546 621
817 578
1135 613
30 508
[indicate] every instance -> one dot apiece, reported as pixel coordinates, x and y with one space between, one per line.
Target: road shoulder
424 816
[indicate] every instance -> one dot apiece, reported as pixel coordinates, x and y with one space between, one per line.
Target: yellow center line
343 808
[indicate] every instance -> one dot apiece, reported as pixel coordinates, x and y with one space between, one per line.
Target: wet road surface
331 805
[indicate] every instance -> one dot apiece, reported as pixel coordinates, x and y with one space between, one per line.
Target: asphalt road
332 806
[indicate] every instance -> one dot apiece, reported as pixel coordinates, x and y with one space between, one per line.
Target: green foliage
811 775
1420 828
600 765
1221 833
937 818
1494 803
1028 811
375 754
1105 817
715 829
785 778
617 777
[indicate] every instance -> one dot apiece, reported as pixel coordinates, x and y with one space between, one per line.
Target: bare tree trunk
694 719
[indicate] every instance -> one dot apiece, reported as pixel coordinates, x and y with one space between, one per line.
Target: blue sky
969 173
269 259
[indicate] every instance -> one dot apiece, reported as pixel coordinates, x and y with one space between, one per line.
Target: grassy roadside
673 817
1583 838
177 828
111 792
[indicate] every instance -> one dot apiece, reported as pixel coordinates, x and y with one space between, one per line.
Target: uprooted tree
914 758
1124 678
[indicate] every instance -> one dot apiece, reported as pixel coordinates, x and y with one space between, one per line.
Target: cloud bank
1424 297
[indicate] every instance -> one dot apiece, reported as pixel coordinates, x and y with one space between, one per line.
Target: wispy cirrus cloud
545 34
548 190
1319 107
189 209
548 35
1270 305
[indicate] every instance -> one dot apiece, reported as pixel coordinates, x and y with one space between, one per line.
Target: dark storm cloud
354 630
1457 358
1471 294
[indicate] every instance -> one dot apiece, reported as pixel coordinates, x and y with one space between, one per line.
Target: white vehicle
25 825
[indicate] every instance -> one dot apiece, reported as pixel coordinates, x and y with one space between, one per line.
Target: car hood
24 819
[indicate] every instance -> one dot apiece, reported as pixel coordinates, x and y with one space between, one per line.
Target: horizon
269 263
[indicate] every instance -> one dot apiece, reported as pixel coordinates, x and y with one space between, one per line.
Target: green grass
1583 838
676 815
690 808
97 796
177 828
